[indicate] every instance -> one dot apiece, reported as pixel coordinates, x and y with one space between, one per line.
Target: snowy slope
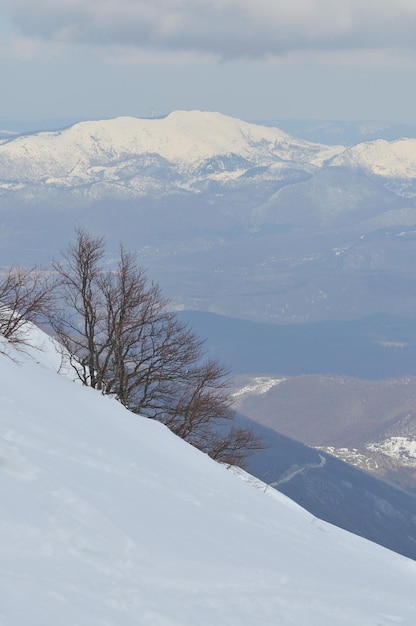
390 159
114 150
108 519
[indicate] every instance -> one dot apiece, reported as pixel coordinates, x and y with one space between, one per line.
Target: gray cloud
224 28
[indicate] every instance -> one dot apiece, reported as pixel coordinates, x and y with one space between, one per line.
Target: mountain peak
90 151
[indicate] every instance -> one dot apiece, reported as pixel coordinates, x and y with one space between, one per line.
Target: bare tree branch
25 296
125 342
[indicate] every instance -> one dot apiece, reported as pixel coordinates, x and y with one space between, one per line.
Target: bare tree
25 296
234 446
124 341
149 348
80 326
201 414
200 400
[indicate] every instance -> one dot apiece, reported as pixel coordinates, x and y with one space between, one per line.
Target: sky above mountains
272 59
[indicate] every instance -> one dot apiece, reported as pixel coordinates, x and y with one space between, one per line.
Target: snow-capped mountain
187 146
389 159
183 149
107 518
231 217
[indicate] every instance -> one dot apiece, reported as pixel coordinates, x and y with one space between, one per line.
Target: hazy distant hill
346 387
369 424
334 132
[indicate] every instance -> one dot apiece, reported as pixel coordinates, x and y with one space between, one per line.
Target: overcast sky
257 60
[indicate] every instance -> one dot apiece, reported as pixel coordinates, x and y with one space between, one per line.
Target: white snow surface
390 159
91 151
258 386
108 519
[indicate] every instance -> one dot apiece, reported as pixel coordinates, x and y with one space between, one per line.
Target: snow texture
109 520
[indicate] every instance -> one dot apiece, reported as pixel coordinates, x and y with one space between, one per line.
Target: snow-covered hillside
185 145
184 148
107 518
389 159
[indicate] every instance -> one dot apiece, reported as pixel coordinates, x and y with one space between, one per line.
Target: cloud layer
226 29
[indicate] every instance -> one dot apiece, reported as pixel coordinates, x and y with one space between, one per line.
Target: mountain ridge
184 139
250 227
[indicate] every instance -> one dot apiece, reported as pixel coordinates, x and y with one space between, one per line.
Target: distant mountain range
230 217
129 156
187 150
